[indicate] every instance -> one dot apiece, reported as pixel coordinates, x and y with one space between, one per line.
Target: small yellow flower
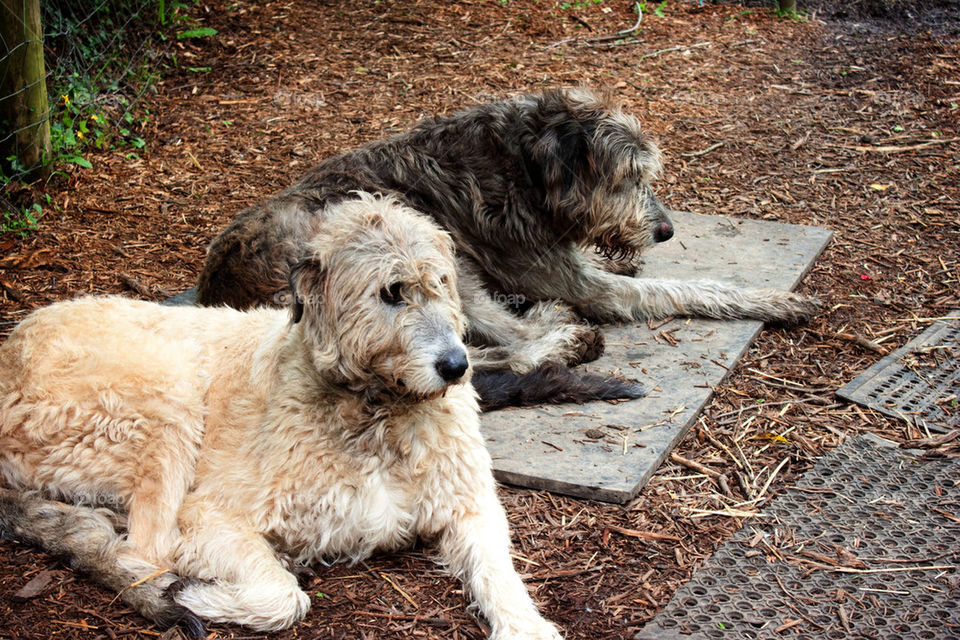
80 134
66 98
94 117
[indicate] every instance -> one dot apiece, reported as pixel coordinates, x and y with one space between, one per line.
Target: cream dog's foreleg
476 547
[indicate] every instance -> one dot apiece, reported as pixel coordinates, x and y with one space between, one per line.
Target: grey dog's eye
392 295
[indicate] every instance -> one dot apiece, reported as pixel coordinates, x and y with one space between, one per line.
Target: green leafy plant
658 9
23 221
170 14
739 14
200 32
790 12
579 4
77 125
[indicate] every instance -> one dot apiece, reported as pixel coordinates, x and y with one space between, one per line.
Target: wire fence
100 58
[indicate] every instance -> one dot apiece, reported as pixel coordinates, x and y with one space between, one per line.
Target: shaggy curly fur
224 438
523 186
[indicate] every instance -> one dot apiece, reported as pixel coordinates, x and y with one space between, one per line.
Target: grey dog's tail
86 540
551 384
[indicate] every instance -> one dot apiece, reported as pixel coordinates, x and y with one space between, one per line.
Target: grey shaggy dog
547 197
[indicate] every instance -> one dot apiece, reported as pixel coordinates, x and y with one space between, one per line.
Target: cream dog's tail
87 541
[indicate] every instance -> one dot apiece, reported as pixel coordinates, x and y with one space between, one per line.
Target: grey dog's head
377 298
593 164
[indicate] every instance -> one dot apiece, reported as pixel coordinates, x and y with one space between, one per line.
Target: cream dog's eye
392 295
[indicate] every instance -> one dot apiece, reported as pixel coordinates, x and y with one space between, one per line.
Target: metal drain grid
878 503
919 383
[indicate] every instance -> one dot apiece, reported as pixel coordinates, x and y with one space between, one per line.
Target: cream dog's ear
306 280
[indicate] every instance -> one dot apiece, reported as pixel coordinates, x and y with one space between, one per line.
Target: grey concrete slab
184 298
607 451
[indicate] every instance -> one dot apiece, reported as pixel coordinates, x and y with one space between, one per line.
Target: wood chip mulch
826 123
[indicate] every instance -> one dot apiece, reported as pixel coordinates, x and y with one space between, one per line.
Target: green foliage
76 125
739 14
22 221
172 14
200 32
579 4
103 62
789 11
658 10
103 58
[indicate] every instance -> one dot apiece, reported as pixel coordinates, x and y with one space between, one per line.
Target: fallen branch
435 622
769 481
932 442
682 47
607 38
732 513
696 466
397 588
826 567
703 152
857 339
134 285
645 535
901 149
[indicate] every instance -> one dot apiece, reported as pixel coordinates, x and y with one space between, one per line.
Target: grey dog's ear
306 278
558 159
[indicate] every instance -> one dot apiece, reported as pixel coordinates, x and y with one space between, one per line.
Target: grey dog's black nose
663 232
452 365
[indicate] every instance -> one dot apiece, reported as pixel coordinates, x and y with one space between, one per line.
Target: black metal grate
897 515
919 383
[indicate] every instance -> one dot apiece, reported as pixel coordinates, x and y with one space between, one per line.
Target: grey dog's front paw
793 309
589 346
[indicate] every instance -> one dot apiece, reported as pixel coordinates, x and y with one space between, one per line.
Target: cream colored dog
228 437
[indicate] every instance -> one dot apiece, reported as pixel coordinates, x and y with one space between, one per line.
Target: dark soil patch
901 16
859 134
936 15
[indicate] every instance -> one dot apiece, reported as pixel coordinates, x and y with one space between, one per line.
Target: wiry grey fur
524 186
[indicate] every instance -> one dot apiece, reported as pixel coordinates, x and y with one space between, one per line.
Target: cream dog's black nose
452 364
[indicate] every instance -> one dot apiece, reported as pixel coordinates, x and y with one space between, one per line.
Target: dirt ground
848 119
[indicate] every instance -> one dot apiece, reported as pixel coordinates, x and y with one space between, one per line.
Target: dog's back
96 391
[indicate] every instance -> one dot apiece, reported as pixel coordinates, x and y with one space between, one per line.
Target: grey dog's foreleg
639 299
604 296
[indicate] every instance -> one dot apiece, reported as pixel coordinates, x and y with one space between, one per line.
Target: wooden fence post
24 108
787 6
